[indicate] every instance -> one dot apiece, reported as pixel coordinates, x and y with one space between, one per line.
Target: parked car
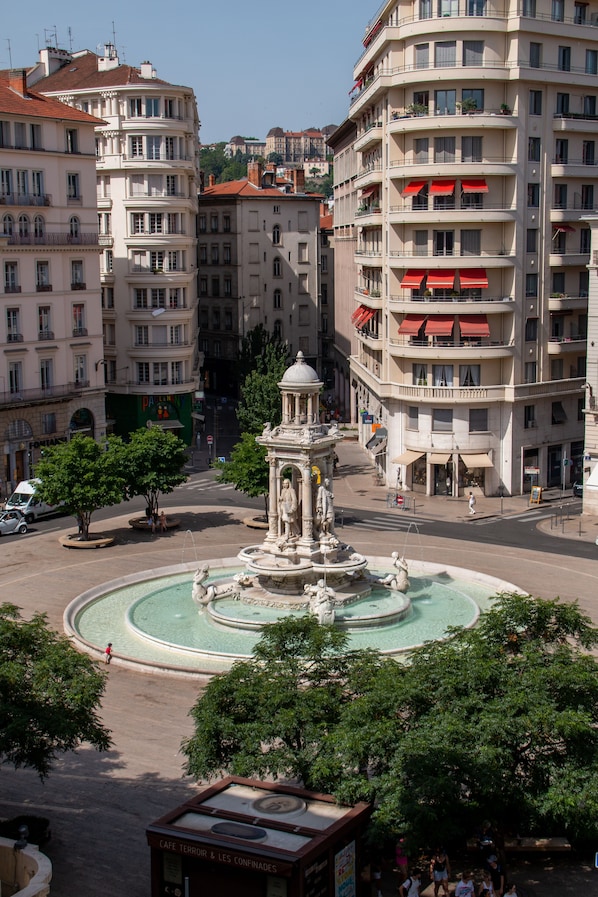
12 522
578 490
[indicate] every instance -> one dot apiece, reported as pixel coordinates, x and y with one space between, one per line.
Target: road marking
203 486
377 524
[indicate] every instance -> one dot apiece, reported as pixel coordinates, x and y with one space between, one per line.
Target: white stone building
51 378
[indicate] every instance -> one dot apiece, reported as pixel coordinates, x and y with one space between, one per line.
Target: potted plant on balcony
505 109
417 109
467 106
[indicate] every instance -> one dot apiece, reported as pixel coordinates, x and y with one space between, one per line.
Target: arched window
8 225
277 267
74 226
276 234
23 226
38 227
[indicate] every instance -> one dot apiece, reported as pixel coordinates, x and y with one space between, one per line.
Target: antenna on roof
70 33
9 52
113 35
55 36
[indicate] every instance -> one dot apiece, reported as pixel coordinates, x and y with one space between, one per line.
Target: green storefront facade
167 410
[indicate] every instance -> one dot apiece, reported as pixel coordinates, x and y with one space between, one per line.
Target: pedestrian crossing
387 523
207 486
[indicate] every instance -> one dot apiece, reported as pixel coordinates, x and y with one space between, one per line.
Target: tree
84 475
253 347
153 463
247 469
49 694
277 158
322 185
272 715
260 394
213 160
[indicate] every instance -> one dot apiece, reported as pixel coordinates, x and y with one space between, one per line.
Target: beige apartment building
51 379
297 147
147 157
476 142
258 264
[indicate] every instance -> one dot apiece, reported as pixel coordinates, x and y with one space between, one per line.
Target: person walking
108 653
471 503
162 522
440 869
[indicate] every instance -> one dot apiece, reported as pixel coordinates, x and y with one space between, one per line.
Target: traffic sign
210 440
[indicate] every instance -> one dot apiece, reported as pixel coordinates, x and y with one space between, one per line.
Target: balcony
80 331
447 349
45 335
369 137
12 288
563 302
14 337
54 239
25 199
560 345
78 286
43 287
437 305
25 396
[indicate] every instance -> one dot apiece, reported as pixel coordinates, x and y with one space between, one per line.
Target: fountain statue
321 601
398 581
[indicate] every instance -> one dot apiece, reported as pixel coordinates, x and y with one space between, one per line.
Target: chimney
211 180
299 180
17 81
254 173
147 70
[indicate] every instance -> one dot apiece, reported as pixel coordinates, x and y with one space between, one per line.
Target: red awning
474 325
474 185
442 188
440 280
411 324
357 84
563 229
413 188
372 33
358 313
412 280
369 314
473 278
440 325
369 191
361 316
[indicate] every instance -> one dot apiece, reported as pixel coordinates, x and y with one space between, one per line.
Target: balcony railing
78 286
458 297
162 157
43 287
45 335
25 199
14 337
54 239
40 394
79 331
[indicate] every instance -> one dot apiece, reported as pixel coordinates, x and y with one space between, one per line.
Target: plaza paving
99 804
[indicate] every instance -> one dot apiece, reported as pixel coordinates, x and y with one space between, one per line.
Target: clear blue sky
253 64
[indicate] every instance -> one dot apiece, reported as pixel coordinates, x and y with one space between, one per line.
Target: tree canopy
153 462
49 694
499 722
260 394
246 469
83 474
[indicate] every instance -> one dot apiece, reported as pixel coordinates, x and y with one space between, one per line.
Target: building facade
51 380
476 151
258 264
147 184
297 147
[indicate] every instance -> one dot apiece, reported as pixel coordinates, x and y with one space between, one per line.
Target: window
422 56
302 253
442 420
534 146
584 240
303 283
277 330
478 420
202 226
558 10
140 297
469 375
228 286
215 286
226 253
531 330
445 53
560 196
420 201
160 373
153 145
530 371
564 59
587 196
176 261
420 374
42 276
13 329
558 413
472 99
589 105
77 281
476 8
448 7
556 369
413 417
425 9
277 299
107 297
531 239
8 225
38 227
535 102
562 104
421 149
15 377
176 372
471 242
531 286
591 62
169 148
535 55
444 242
152 107
176 297
142 335
471 149
136 147
74 227
276 234
277 267
420 242
23 226
143 372
22 183
324 264
79 319
584 283
157 261
226 224
580 13
72 186
4 134
442 374
20 135
158 297
137 222
81 370
172 185
445 102
135 108
561 151
533 196
588 152
11 278
529 417
169 108
473 53
44 322
444 149
49 423
215 254
5 182
72 140
214 223
108 261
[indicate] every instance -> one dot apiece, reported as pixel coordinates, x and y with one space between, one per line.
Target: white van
23 499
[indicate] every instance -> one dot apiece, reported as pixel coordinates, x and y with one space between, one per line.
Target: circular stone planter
259 522
73 541
140 523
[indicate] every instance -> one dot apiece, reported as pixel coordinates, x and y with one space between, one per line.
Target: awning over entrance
411 324
413 188
476 460
438 457
473 278
440 325
440 280
474 185
408 457
442 188
474 325
171 424
412 280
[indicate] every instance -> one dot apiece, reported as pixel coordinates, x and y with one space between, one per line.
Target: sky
253 65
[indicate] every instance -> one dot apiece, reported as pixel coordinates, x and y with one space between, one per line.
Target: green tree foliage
499 722
213 161
253 347
322 185
272 715
84 475
49 694
153 462
277 158
234 170
260 394
247 469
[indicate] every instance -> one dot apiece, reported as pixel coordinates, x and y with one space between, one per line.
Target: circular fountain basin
152 621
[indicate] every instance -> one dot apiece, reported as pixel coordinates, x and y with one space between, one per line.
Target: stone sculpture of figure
325 508
321 602
287 509
398 581
200 593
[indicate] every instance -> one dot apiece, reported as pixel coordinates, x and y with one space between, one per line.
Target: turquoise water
163 609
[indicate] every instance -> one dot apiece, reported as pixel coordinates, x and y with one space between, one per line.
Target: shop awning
412 280
171 424
408 457
369 191
473 279
474 185
440 325
413 188
474 325
563 229
442 188
411 324
363 312
438 457
480 459
440 280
